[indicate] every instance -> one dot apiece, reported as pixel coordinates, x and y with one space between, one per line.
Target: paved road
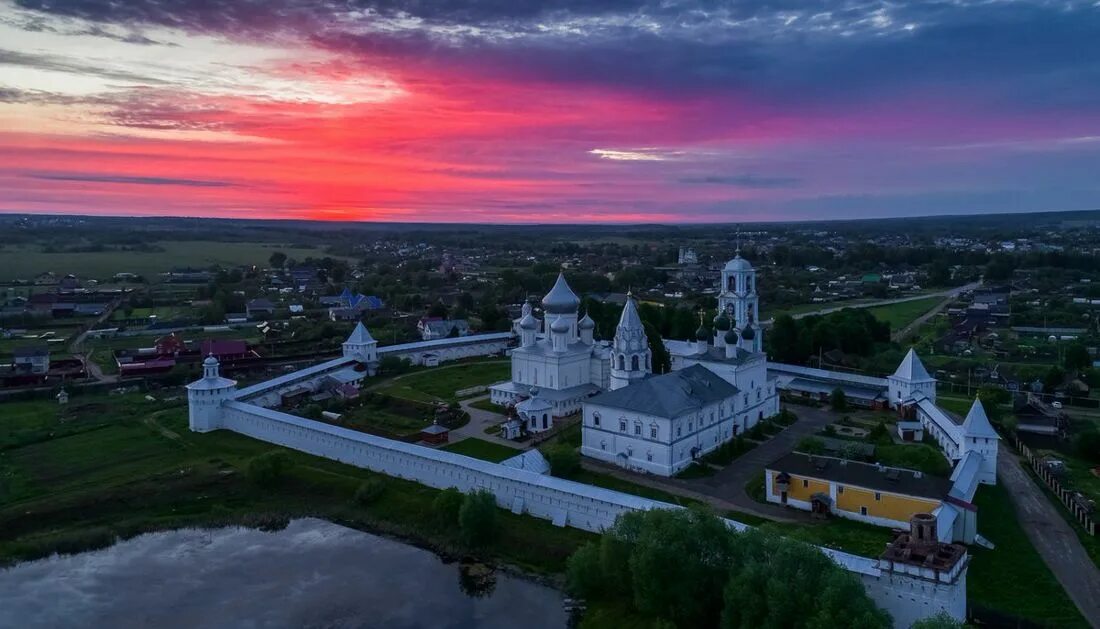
76 347
729 483
954 292
1052 536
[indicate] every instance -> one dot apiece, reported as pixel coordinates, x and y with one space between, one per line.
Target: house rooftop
867 475
670 395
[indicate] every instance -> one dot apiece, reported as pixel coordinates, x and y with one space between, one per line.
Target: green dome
731 337
748 333
701 334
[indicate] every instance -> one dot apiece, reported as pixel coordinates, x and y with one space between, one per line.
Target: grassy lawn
440 384
486 405
1013 578
74 478
902 314
839 534
25 262
482 449
915 456
382 419
612 482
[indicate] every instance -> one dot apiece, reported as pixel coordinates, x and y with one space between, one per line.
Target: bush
582 572
757 431
369 491
811 445
1087 445
785 418
563 459
838 400
477 519
446 506
880 434
269 469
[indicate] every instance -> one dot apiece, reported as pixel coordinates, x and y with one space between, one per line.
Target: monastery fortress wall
908 597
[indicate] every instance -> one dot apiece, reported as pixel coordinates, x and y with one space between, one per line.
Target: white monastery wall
565 503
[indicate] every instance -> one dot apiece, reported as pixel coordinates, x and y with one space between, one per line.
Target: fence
1078 510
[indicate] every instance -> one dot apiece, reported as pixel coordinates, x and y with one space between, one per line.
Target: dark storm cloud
130 180
822 52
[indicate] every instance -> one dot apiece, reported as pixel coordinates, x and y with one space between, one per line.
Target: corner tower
205 397
631 359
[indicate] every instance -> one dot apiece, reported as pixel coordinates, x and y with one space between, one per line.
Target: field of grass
904 313
25 262
1012 578
482 449
440 384
486 405
74 478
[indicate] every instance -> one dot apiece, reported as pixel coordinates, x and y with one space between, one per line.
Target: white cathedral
718 387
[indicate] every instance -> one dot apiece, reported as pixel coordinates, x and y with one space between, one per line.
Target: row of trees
686 568
852 331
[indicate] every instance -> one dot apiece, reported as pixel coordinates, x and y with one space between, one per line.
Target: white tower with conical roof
206 395
979 436
630 355
362 347
910 379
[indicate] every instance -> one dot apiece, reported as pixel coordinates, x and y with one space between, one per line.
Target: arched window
595 419
622 362
634 363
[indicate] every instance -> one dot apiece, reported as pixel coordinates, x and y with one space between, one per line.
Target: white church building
557 358
718 388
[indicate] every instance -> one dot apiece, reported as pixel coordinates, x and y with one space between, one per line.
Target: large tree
686 568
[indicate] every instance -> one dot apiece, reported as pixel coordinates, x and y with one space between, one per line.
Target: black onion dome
722 322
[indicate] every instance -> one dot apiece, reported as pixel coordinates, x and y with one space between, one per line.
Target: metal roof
911 368
670 395
868 475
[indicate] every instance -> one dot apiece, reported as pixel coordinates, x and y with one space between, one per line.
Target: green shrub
269 469
370 490
1087 445
811 445
838 400
563 459
445 508
880 434
477 519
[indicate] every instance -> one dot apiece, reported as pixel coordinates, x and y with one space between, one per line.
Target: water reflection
312 574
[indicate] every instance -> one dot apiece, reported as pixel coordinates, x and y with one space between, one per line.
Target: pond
311 574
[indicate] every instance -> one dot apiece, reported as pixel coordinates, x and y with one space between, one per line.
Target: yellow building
876 494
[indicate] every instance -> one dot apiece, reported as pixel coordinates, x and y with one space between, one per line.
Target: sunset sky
555 111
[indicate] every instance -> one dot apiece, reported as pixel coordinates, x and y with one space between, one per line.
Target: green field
482 449
436 385
902 314
25 262
1013 578
74 478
